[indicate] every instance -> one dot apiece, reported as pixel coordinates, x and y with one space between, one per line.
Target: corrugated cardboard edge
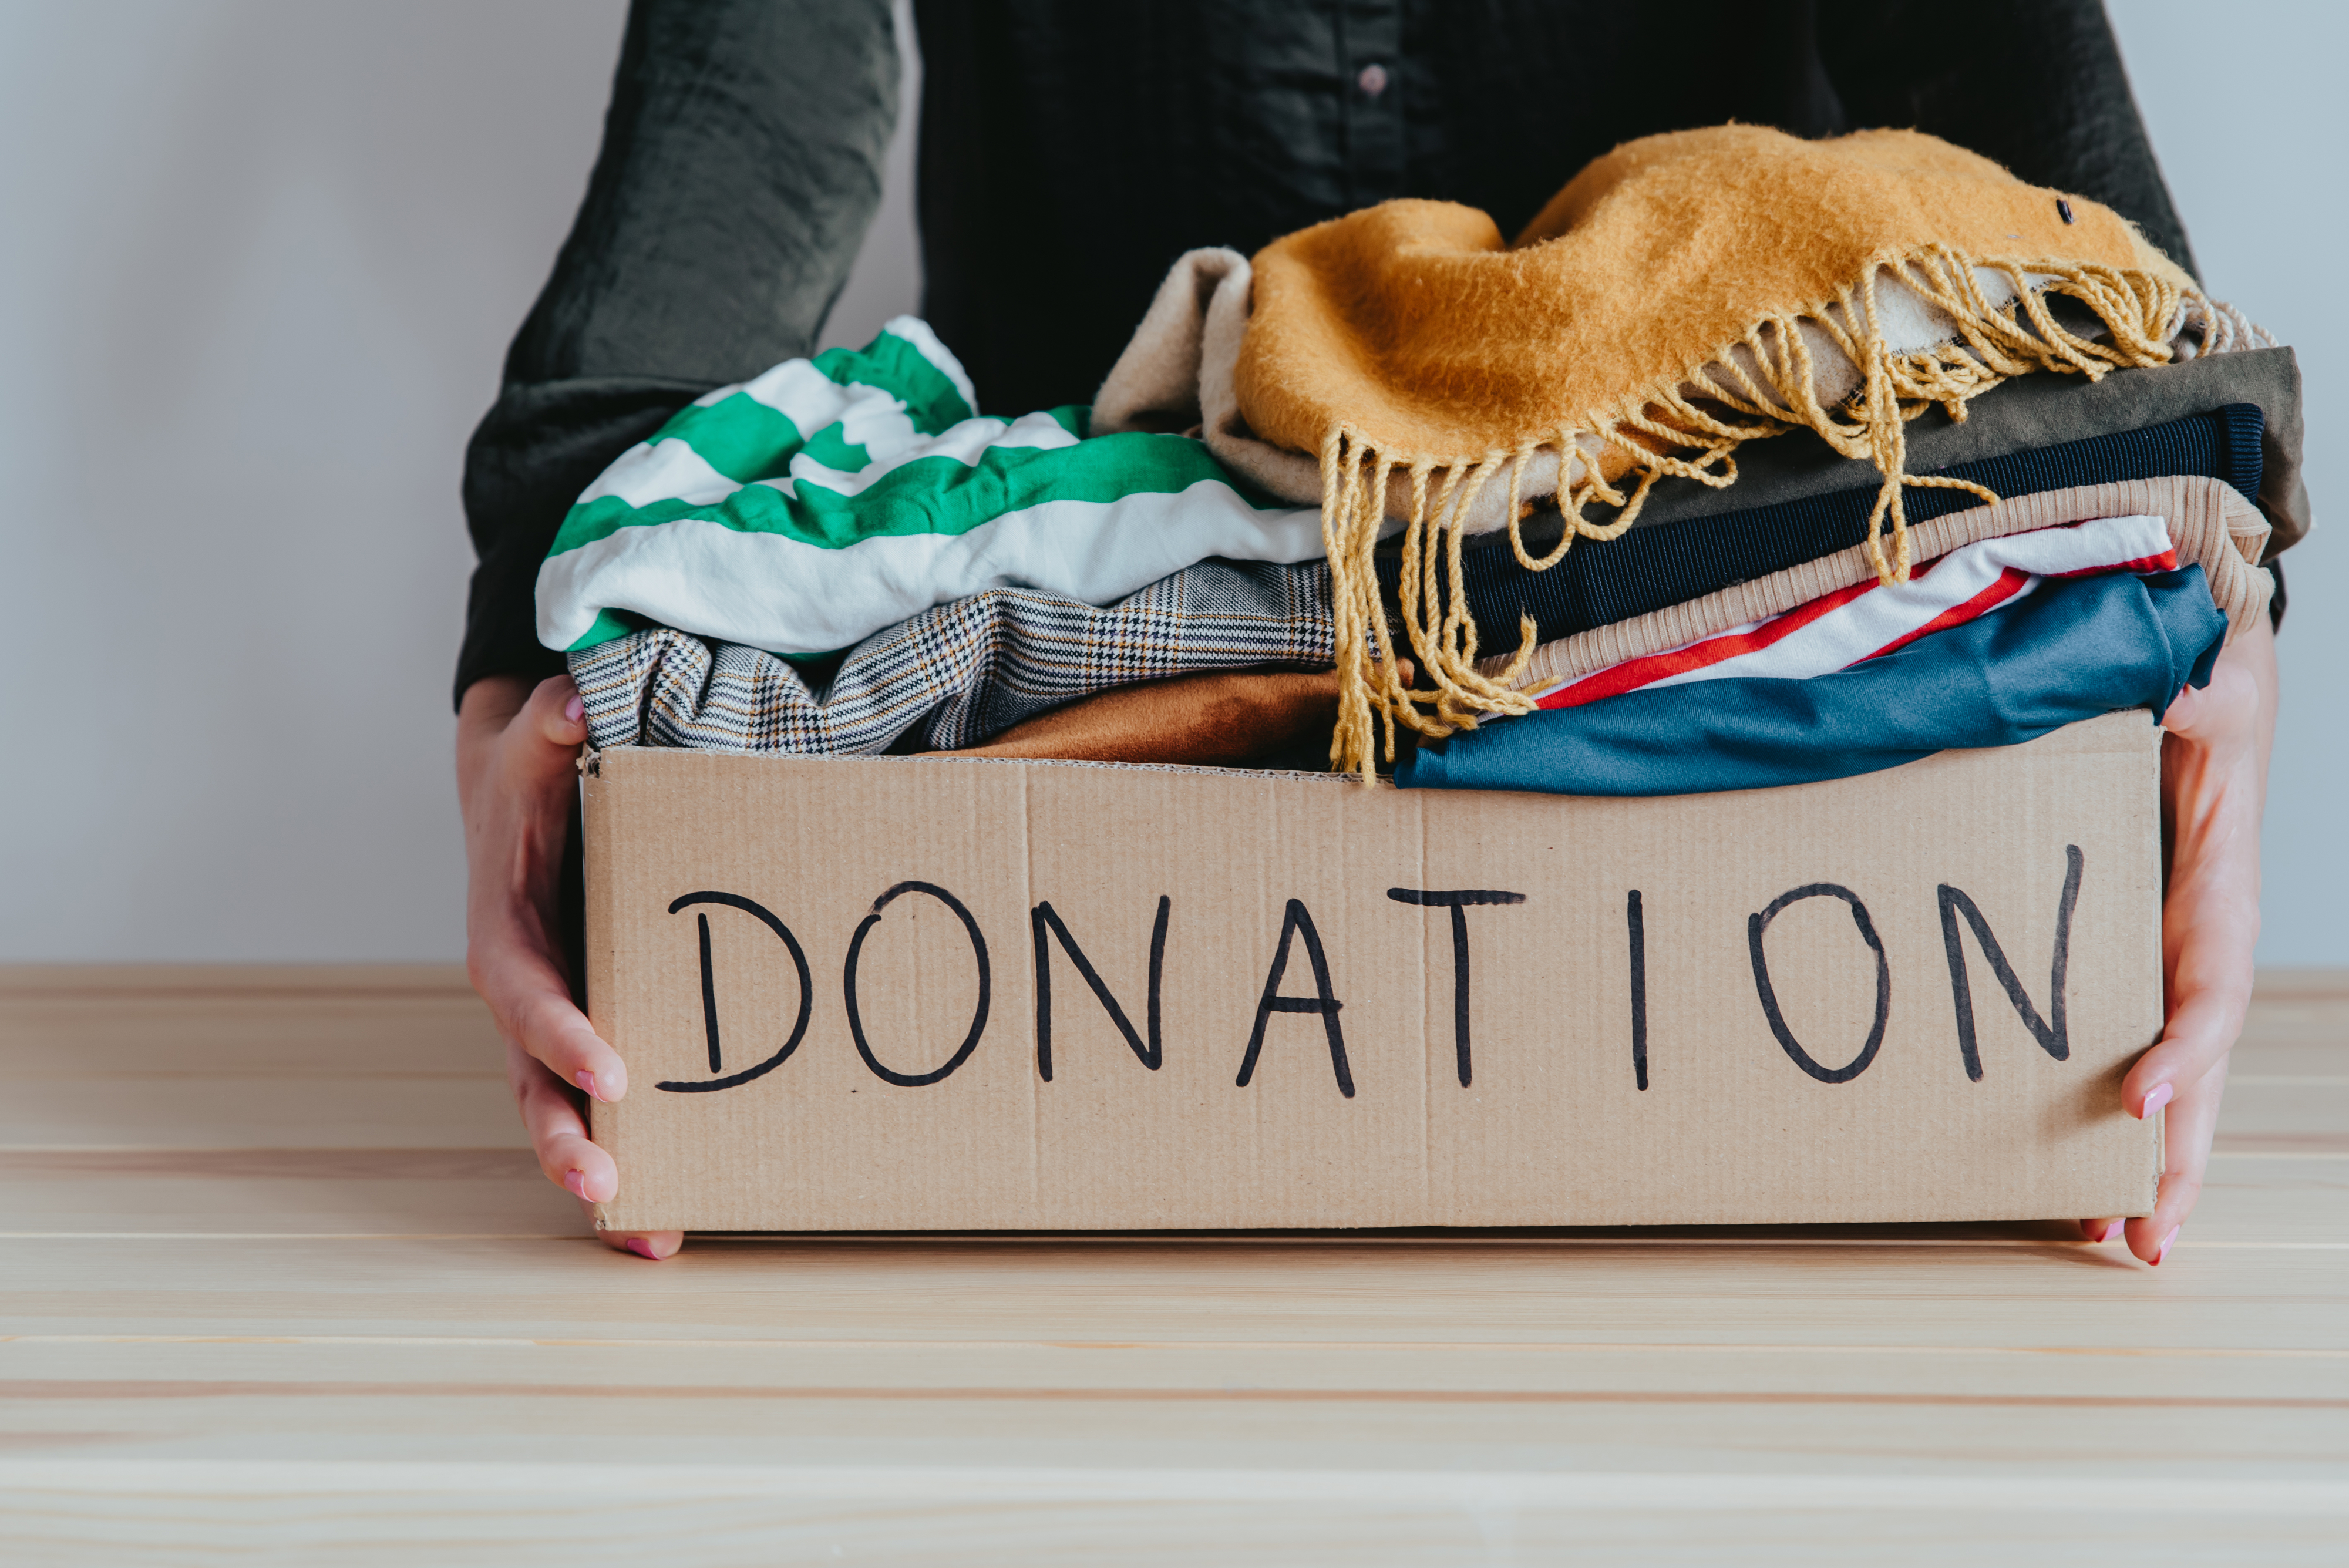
594 832
2159 1134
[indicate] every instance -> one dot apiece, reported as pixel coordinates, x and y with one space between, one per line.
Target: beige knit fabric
2211 525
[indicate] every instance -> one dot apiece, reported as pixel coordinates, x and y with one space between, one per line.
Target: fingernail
643 1249
577 1181
2165 1241
2155 1101
2112 1230
586 1080
574 709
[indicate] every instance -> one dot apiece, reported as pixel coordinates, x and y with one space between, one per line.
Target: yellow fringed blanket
1683 294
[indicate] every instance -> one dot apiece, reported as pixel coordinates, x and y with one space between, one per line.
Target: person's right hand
517 751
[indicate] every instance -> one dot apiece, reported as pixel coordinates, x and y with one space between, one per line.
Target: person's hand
516 771
2214 777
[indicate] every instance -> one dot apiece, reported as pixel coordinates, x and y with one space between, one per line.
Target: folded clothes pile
2019 471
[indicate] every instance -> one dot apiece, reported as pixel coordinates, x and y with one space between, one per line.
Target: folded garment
955 676
828 498
1244 718
1869 619
2208 523
1683 296
2029 413
1649 569
2072 650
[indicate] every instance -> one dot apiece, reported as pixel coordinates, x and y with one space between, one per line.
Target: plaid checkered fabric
957 675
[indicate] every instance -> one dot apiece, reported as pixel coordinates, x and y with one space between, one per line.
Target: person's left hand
2214 776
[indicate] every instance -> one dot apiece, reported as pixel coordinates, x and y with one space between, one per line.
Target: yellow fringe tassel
1676 430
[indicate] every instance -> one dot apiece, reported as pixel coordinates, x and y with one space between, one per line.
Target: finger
2202 1031
555 713
537 752
552 1028
2187 1129
572 1160
2229 703
558 1135
2100 1230
530 1002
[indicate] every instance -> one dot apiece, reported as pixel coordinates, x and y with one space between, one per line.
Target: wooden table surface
284 1284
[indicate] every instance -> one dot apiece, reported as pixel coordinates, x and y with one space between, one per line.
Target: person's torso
1072 149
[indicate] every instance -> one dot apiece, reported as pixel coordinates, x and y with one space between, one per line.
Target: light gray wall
259 260
2248 115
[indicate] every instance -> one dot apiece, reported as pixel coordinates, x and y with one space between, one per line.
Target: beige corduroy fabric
1681 295
2211 525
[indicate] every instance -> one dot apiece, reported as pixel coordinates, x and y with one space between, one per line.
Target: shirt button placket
1370 42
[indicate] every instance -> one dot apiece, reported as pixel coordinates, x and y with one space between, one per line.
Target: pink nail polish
586 1080
2165 1241
643 1249
575 1182
2111 1229
2155 1101
574 709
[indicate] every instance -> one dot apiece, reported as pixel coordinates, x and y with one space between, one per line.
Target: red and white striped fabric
1860 622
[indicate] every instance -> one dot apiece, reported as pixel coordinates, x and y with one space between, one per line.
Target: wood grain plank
454 1162
213 1038
611 1514
2295 1032
1706 1437
2277 984
325 1192
108 982
92 1368
2299 1106
1730 1292
349 1111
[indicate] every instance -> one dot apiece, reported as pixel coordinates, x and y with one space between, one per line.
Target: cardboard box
899 993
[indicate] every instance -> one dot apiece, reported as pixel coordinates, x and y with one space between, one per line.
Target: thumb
556 713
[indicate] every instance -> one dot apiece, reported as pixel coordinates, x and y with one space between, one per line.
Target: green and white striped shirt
830 498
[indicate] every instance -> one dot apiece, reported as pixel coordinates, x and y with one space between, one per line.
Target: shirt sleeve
2035 85
741 165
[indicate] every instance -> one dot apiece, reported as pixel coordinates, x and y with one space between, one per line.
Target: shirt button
1372 81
